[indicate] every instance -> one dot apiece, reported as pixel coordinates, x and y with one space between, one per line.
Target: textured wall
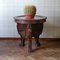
11 8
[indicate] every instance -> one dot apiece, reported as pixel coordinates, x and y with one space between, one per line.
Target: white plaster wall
11 8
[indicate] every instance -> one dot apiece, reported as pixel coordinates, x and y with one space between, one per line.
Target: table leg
37 40
22 43
30 45
29 38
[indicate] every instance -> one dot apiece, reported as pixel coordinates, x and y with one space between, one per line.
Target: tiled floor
9 50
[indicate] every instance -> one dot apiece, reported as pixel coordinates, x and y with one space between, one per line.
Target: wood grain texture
9 50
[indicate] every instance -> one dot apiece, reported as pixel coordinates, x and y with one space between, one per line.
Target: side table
28 28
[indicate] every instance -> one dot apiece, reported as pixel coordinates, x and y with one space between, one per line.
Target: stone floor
49 50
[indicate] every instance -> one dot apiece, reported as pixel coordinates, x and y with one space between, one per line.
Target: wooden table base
28 28
26 33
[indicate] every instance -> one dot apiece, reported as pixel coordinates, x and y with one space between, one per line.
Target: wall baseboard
17 38
9 38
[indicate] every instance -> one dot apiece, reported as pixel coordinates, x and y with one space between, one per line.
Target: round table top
36 19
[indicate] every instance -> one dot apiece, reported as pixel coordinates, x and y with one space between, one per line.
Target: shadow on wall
51 29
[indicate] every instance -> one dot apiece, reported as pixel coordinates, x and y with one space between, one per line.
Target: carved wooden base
27 31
